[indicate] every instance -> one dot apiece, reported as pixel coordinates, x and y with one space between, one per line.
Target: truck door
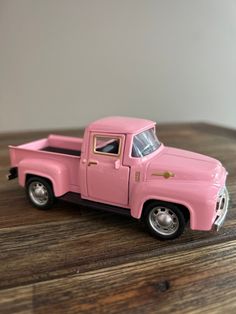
107 178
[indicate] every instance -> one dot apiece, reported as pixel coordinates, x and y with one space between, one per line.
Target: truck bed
63 149
60 150
56 144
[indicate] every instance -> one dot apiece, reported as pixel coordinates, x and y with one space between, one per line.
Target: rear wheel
40 193
164 220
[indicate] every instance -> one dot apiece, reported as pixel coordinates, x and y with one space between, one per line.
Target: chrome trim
163 220
166 174
222 208
92 162
95 136
38 193
137 176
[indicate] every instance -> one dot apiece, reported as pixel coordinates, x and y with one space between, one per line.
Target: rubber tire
46 183
175 209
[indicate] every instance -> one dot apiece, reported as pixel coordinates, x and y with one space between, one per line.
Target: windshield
145 143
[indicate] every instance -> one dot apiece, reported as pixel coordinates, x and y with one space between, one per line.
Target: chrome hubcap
38 193
163 220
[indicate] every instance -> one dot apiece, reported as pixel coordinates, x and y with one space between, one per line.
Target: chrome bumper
222 208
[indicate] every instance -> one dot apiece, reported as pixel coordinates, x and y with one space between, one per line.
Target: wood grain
73 259
193 281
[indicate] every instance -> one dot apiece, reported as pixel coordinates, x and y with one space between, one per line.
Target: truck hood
185 165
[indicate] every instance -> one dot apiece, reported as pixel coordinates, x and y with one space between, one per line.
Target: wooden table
77 260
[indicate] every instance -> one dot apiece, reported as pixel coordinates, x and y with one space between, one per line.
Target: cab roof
119 124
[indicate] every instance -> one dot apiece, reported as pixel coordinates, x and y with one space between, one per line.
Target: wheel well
29 176
183 208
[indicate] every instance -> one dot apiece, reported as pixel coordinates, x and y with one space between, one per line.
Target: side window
106 145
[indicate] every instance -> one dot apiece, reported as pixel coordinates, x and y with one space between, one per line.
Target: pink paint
117 178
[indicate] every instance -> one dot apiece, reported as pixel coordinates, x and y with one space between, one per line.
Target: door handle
117 164
92 162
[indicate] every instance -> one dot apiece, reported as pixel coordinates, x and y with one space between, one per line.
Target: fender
51 169
172 191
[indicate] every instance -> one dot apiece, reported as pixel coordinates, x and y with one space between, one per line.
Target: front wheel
164 220
40 193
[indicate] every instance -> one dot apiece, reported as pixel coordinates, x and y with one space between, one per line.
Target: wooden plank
90 241
16 301
195 281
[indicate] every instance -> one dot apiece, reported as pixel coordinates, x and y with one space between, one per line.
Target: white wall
64 63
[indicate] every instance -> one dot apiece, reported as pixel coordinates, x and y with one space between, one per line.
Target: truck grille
222 208
221 199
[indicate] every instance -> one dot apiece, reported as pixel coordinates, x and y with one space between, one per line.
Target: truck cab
120 165
110 157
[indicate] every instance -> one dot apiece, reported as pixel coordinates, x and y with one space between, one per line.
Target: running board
75 198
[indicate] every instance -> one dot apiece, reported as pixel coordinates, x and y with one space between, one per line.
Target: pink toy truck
121 166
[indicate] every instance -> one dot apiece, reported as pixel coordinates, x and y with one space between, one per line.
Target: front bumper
222 208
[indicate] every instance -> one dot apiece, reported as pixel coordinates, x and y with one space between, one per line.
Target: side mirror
117 164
